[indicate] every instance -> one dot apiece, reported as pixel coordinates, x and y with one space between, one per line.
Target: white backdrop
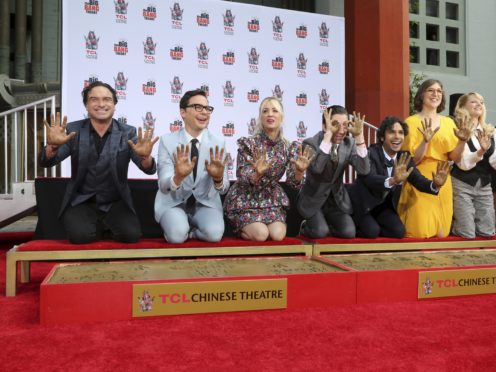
153 52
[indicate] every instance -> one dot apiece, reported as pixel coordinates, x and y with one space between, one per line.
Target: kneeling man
191 176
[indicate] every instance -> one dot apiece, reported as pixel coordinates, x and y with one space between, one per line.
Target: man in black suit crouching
375 196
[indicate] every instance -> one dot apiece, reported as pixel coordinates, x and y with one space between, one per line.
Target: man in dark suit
323 201
98 199
374 196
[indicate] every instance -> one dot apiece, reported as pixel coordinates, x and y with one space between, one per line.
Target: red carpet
442 335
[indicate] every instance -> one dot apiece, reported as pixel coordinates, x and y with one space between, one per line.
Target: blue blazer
202 188
79 147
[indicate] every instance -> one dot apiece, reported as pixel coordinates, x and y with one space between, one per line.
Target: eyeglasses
200 108
437 91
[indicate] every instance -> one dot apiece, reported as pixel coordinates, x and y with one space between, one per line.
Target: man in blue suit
192 176
98 200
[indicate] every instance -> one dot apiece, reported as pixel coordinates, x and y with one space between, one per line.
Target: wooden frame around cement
319 249
14 256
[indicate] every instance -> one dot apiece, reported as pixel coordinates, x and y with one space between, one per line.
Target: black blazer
78 148
368 191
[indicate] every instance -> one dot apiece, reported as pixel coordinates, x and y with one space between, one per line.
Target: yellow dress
425 215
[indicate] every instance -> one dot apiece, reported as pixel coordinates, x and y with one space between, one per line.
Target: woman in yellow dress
431 138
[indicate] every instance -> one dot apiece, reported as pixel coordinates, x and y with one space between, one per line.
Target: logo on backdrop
205 88
230 165
253 58
324 67
176 16
228 58
150 88
301 131
301 99
91 45
120 11
301 65
277 28
149 120
277 92
91 7
228 129
253 95
176 89
120 85
175 126
177 53
228 22
91 79
323 99
278 63
251 126
122 119
228 90
202 51
301 32
254 25
203 19
149 50
150 13
324 34
121 48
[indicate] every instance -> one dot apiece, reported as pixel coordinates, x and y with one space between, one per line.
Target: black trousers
381 221
85 223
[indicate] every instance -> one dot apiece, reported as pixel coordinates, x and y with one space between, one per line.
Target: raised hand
401 172
183 165
441 175
56 134
484 138
464 130
427 130
355 126
144 145
259 162
217 164
303 160
330 126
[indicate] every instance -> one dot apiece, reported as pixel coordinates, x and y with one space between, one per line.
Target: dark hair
187 96
336 109
418 101
388 123
86 91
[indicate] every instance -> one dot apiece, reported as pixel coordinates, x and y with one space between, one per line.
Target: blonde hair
461 112
259 127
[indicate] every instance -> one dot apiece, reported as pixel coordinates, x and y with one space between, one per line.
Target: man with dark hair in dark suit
98 198
323 201
374 196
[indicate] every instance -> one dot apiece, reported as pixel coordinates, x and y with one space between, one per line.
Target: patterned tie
389 162
194 152
334 153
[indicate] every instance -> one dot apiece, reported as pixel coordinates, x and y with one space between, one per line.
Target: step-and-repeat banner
239 54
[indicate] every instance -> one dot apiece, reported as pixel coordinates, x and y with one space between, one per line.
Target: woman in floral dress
256 204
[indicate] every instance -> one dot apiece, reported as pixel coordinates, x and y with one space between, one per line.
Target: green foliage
415 81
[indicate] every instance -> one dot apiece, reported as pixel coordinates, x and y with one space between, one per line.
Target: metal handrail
18 164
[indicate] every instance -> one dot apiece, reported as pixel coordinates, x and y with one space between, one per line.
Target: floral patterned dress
264 200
